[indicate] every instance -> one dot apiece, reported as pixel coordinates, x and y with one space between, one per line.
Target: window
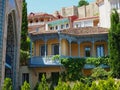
56 27
67 25
100 51
115 4
76 25
55 49
36 21
42 50
55 77
37 29
51 28
31 21
87 52
62 26
25 77
40 76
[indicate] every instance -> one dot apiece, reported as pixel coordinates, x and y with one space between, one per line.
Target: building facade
82 12
61 36
105 7
10 27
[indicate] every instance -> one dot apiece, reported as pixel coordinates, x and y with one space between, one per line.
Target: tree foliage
82 2
73 67
25 86
24 31
99 73
114 44
43 85
7 84
62 85
24 57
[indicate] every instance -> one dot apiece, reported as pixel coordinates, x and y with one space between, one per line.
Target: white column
45 48
60 46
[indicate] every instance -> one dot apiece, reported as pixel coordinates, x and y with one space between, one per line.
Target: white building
86 22
105 7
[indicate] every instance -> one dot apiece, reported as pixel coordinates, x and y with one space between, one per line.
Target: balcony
39 61
37 23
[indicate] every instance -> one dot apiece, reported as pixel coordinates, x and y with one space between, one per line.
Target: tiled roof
86 18
76 31
35 15
43 32
99 1
85 31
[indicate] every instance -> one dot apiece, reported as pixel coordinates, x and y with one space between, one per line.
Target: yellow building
65 37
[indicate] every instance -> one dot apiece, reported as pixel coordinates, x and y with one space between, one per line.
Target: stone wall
84 11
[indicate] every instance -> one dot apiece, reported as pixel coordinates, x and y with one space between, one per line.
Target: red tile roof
86 31
99 1
36 15
76 31
86 18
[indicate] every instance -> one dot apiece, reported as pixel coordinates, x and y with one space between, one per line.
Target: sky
49 6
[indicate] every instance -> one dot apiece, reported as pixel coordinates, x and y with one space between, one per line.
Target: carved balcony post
79 48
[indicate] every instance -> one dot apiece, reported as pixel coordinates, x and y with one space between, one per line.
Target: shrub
62 86
99 73
43 85
78 86
7 84
25 86
73 67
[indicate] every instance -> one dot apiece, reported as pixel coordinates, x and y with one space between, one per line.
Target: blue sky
49 6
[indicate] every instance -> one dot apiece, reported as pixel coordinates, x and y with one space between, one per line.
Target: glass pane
87 52
43 50
55 49
100 51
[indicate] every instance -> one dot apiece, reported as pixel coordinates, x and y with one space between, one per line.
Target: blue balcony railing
39 61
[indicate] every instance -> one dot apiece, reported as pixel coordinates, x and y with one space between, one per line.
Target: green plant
24 56
43 85
114 44
56 57
98 61
82 3
36 87
62 86
78 86
7 84
25 86
99 73
73 67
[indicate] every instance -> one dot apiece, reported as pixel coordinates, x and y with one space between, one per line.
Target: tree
7 84
24 31
24 57
114 44
43 85
82 2
25 86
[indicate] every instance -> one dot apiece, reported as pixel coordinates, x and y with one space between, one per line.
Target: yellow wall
49 43
74 49
104 44
65 49
82 48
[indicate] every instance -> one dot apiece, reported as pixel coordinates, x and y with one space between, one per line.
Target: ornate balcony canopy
73 34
